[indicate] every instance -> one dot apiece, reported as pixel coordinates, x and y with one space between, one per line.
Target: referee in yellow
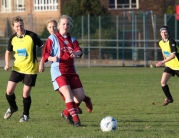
170 53
25 68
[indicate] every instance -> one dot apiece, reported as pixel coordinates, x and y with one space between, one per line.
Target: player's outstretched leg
89 105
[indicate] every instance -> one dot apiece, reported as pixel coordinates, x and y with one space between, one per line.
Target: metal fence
130 39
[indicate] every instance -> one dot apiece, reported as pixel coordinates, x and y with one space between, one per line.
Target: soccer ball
108 123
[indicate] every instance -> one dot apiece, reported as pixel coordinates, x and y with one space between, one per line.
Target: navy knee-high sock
12 101
27 103
167 91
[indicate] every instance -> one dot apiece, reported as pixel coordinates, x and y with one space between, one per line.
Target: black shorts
27 79
171 71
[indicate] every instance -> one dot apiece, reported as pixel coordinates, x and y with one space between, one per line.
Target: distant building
42 10
29 10
116 7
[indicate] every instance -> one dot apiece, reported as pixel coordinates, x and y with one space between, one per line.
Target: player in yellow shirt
170 53
25 68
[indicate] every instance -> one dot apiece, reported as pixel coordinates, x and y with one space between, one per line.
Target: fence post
135 38
176 29
146 38
30 22
82 34
153 17
99 37
7 29
133 30
117 36
89 58
123 37
165 19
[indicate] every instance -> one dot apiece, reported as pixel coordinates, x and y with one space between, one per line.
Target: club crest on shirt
66 49
173 44
66 42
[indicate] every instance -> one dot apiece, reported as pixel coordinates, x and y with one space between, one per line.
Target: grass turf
132 95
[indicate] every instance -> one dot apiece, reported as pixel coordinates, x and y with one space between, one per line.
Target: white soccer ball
108 123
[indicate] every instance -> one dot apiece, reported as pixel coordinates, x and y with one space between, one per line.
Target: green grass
132 95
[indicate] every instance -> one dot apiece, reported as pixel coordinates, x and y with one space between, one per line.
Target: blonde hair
51 21
66 17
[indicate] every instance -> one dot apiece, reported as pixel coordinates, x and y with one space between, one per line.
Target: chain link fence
123 40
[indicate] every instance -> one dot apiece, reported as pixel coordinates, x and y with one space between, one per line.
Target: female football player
52 29
25 68
170 53
61 49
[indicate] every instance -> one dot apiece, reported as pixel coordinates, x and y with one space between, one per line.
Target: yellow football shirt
24 49
168 48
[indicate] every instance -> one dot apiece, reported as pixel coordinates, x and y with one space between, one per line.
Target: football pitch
131 95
